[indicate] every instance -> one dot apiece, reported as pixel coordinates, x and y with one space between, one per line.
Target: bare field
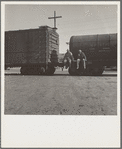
60 94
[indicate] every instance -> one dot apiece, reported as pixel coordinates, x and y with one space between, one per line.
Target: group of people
68 58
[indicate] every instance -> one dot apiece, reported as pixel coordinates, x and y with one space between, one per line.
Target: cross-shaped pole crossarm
54 17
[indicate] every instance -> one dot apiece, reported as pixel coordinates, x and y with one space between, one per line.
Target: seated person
81 58
68 58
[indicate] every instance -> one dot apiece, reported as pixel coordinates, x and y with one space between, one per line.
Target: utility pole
55 17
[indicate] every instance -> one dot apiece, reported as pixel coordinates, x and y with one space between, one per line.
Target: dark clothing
68 58
81 56
69 55
81 61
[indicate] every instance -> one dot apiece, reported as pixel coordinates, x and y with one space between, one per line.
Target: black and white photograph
61 60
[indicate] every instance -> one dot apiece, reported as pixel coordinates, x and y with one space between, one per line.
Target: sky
76 19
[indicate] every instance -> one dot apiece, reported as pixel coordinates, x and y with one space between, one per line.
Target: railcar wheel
50 71
23 70
41 71
97 71
88 71
71 71
100 72
31 70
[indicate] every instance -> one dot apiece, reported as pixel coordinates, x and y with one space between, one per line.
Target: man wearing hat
68 57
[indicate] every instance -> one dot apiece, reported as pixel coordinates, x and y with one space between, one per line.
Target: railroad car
34 50
100 51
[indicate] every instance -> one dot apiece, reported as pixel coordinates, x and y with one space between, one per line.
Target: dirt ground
60 94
